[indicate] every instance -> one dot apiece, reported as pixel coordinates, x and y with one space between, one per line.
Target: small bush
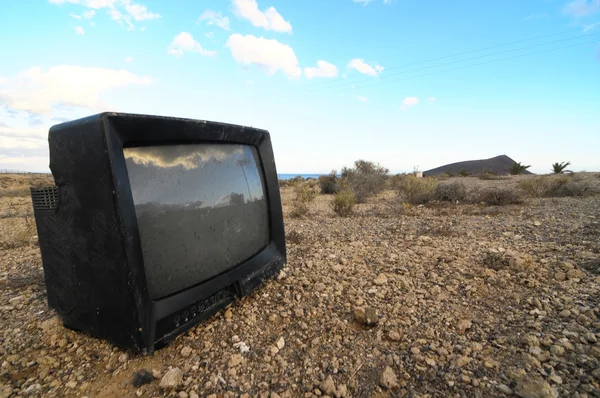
488 175
464 173
296 180
495 260
294 237
343 203
558 186
451 192
21 192
22 231
329 183
305 196
365 179
575 186
500 196
540 187
416 190
394 181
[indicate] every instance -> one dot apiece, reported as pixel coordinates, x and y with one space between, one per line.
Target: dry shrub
489 175
312 182
329 183
305 196
343 203
451 192
415 190
443 176
500 196
20 192
540 187
20 233
577 185
394 181
495 260
294 237
550 186
365 179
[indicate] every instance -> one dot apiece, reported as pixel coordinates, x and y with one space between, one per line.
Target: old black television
155 223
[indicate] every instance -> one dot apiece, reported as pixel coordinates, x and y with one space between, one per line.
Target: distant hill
499 165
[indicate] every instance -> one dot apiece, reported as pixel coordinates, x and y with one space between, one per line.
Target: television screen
200 209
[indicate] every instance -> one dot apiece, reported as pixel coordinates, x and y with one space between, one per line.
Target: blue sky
402 82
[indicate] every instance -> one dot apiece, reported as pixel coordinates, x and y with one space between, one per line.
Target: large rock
172 379
366 316
388 379
534 387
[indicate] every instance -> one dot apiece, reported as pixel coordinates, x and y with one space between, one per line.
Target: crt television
155 223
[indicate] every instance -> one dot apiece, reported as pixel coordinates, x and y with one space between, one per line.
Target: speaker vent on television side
45 200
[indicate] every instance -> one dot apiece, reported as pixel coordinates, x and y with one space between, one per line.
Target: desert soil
435 301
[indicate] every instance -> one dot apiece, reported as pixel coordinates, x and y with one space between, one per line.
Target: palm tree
559 168
518 168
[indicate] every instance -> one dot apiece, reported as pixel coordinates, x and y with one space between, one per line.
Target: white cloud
388 1
32 133
139 12
184 42
431 99
590 27
73 15
121 18
96 4
129 59
41 91
20 142
363 2
582 8
361 66
269 19
209 35
249 83
79 30
215 18
323 69
268 54
121 11
361 98
409 101
38 162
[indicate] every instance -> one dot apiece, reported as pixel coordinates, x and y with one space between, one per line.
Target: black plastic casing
89 240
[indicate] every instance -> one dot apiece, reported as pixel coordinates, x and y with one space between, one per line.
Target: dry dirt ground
435 301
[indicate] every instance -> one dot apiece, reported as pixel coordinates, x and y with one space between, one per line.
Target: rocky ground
435 301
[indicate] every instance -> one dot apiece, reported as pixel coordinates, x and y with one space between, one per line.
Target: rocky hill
499 165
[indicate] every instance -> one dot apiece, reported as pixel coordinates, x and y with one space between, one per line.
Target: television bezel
129 130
